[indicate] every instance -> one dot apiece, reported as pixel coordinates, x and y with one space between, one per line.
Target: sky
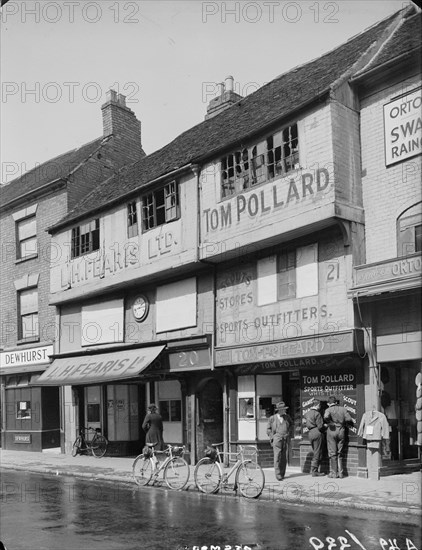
58 59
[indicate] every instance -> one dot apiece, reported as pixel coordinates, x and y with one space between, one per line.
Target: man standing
315 425
279 430
337 418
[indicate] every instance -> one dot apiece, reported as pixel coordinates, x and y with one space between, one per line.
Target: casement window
287 275
86 238
276 156
282 152
409 226
132 220
26 237
160 206
170 410
28 314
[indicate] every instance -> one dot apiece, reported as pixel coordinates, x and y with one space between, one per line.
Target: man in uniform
337 418
279 431
315 425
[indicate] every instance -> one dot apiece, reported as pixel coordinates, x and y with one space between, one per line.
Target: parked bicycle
209 473
97 444
175 468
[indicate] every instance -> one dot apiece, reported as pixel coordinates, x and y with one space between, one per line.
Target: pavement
398 494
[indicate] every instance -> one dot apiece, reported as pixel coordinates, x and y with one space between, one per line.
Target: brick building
216 274
30 418
386 288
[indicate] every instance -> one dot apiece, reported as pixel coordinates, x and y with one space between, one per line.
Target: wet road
55 513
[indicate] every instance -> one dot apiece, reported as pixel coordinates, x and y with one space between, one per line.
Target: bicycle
209 472
97 445
175 468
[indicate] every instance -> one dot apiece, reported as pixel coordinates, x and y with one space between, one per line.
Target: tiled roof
406 39
49 171
276 100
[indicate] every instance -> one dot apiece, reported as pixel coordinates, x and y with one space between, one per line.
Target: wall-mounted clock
140 308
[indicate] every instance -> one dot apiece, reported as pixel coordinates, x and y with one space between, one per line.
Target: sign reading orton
403 127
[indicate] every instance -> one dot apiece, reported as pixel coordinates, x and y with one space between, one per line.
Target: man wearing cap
279 430
315 425
337 419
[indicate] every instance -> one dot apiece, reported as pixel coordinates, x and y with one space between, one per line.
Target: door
209 415
93 407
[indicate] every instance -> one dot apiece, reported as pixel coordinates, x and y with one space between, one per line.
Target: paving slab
398 494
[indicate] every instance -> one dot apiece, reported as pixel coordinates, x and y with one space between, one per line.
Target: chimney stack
225 99
121 122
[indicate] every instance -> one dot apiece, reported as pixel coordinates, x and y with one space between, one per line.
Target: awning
23 369
100 368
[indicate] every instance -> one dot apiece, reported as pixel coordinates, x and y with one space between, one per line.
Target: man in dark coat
153 425
279 430
315 425
337 419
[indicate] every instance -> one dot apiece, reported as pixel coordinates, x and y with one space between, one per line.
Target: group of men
333 424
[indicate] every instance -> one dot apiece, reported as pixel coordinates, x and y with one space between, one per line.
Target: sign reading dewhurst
25 357
403 127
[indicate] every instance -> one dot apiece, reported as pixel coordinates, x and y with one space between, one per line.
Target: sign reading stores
403 127
267 200
25 357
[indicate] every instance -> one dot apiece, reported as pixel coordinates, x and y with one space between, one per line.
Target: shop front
295 372
388 296
30 415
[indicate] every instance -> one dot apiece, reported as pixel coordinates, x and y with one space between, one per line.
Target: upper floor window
132 220
160 206
277 156
409 225
28 328
85 238
26 237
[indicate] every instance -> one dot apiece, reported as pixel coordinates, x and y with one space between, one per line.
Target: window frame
160 206
247 167
20 242
35 313
170 410
27 409
132 219
80 243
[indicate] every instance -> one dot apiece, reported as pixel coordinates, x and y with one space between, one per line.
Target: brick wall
50 210
387 191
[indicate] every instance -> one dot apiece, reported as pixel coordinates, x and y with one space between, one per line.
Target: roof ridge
53 159
385 43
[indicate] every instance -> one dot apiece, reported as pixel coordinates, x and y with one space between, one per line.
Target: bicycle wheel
176 473
250 479
99 446
207 475
142 469
76 448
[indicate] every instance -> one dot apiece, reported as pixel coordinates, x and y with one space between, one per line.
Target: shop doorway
398 403
93 407
209 415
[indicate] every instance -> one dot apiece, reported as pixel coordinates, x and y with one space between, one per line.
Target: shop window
85 238
132 220
26 237
246 408
23 410
409 226
28 314
160 206
171 410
